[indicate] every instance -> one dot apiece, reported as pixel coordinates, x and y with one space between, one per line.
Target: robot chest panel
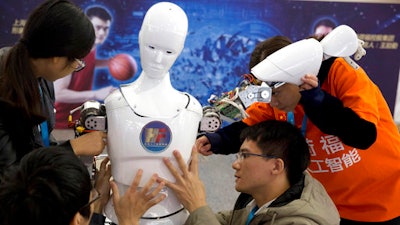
149 136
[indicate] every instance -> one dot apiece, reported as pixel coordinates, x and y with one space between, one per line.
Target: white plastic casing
290 63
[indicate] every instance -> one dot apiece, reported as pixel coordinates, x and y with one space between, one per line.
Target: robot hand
360 50
231 106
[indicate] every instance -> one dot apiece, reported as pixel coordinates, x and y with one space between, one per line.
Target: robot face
157 54
162 38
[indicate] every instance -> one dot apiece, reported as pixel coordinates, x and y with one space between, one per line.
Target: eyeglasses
243 155
81 65
95 196
275 85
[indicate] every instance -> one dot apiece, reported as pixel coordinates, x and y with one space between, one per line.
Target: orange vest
364 184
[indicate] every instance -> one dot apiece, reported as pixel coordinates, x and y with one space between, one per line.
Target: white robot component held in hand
148 119
303 57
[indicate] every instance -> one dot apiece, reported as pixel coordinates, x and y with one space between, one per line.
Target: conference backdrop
223 33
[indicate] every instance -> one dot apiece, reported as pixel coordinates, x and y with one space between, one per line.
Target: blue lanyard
45 133
251 215
290 119
44 129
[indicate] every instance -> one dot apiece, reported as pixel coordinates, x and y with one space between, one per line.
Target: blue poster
222 34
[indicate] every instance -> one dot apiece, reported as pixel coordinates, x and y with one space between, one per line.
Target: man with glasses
270 170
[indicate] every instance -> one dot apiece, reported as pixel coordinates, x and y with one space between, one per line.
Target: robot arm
92 117
231 106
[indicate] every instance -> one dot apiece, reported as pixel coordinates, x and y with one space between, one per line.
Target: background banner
222 35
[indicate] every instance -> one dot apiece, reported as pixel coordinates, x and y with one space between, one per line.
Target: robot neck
154 97
158 85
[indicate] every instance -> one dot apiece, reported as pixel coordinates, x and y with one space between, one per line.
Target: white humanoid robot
148 119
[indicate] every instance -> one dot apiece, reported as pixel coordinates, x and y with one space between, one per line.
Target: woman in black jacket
56 36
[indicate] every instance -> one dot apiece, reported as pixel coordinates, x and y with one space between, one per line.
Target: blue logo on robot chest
155 136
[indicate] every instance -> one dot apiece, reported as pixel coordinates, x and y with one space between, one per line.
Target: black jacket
19 134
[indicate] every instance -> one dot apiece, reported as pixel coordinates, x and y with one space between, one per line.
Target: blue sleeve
331 117
227 139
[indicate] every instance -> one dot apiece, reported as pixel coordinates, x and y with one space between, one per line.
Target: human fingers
155 195
310 81
149 192
181 163
136 181
203 146
313 80
202 140
193 165
172 170
147 187
103 164
104 173
115 191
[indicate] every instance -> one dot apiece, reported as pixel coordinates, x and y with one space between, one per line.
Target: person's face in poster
322 30
102 28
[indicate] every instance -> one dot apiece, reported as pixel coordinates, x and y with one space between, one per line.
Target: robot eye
151 47
169 52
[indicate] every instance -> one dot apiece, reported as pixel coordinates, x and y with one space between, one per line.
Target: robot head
340 42
291 63
161 38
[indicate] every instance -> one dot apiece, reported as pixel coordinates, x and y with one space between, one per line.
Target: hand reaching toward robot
187 186
102 185
135 202
203 146
92 143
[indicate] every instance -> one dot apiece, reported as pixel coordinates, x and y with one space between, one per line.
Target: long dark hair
56 28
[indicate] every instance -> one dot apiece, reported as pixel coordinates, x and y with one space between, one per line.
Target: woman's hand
102 185
89 144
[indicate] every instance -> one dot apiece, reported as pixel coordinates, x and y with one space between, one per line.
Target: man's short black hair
98 11
283 140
